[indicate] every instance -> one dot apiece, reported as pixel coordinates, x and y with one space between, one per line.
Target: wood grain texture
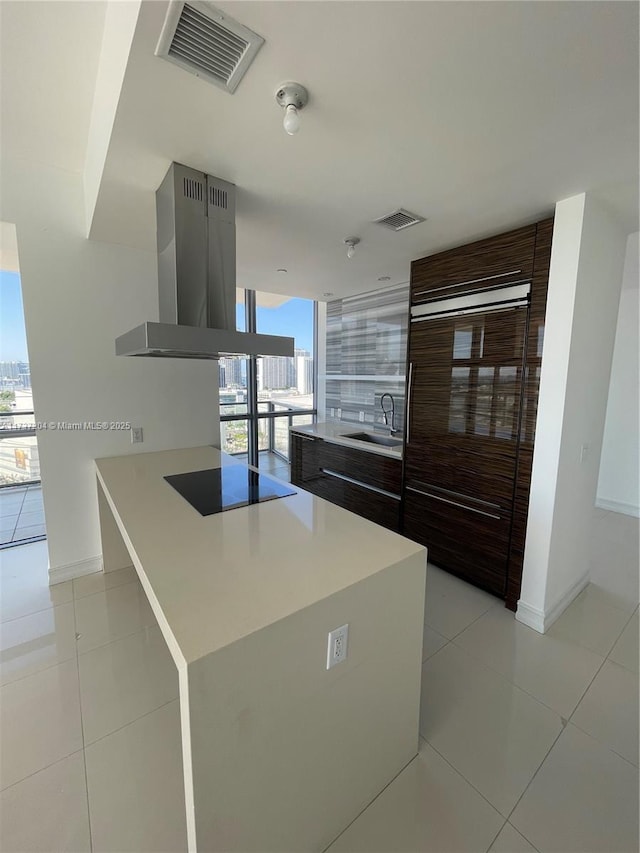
468 544
473 409
305 460
465 402
378 508
369 468
505 257
314 464
535 338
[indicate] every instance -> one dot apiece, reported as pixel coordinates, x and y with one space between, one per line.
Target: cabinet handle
453 503
362 485
305 437
409 385
469 281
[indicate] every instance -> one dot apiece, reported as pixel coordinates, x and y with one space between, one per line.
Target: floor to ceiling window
21 510
260 398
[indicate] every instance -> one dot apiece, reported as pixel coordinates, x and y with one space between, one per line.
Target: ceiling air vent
204 41
399 219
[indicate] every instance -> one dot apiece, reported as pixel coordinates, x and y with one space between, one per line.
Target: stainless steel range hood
197 276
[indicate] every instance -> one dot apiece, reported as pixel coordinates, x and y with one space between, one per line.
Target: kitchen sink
384 440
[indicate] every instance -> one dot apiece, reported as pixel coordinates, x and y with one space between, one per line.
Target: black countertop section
229 487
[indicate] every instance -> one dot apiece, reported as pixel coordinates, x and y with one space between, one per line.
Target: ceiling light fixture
328 293
282 270
351 243
385 278
292 97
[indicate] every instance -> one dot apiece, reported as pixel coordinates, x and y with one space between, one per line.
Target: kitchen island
279 752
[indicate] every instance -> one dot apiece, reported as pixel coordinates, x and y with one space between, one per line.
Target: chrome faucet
387 412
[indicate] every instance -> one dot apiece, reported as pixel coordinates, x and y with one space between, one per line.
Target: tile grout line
37 672
41 769
84 752
106 589
494 839
604 745
501 675
123 637
577 645
462 776
564 728
522 689
379 794
35 612
451 639
606 658
131 722
555 741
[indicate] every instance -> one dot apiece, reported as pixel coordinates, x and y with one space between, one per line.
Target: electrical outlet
584 452
337 646
361 417
136 435
331 412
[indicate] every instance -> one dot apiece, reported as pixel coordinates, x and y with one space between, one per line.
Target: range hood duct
197 276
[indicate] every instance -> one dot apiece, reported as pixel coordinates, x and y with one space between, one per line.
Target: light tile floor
528 742
21 514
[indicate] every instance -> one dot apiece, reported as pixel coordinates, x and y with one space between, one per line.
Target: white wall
78 296
584 286
618 487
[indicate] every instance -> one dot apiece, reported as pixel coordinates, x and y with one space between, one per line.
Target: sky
13 341
293 318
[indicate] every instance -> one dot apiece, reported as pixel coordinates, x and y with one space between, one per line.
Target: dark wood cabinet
485 264
305 460
467 536
368 484
472 393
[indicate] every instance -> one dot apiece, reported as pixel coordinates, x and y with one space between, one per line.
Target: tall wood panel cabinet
475 346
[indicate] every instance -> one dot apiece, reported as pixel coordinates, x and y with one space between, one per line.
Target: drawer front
469 541
305 460
483 265
365 501
368 468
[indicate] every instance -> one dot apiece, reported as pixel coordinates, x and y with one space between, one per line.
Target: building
304 374
233 373
276 373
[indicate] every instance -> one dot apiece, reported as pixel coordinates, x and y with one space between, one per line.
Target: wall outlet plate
136 435
337 646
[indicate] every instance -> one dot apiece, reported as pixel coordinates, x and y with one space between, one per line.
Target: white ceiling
477 115
49 58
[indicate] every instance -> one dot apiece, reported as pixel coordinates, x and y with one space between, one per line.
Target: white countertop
212 580
333 431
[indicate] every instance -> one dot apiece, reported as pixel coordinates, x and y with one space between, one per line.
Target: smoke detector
204 41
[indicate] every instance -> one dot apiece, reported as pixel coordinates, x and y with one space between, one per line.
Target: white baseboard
618 506
58 574
530 616
542 620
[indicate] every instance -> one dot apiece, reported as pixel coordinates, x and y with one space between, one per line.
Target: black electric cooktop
232 486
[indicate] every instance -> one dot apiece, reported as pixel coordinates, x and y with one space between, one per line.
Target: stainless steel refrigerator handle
409 401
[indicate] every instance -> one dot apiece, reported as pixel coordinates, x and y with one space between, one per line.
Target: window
260 398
